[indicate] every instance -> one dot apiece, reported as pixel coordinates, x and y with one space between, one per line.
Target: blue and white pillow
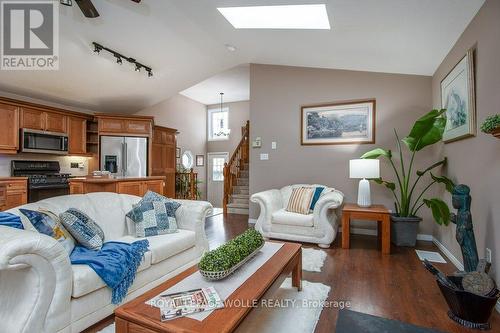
153 196
153 218
10 220
83 228
48 223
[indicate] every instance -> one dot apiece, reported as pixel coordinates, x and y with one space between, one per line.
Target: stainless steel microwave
34 141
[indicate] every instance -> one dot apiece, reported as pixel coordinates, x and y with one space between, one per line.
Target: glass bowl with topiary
227 258
491 125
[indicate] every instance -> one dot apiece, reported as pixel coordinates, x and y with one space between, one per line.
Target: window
218 124
218 169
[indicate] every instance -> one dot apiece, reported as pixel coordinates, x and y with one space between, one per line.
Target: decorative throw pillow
83 228
153 196
300 200
316 195
48 223
153 218
10 220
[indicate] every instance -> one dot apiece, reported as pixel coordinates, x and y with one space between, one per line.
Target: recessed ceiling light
277 17
230 47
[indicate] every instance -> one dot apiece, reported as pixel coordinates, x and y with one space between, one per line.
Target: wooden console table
376 213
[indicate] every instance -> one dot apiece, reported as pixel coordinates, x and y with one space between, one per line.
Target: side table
376 213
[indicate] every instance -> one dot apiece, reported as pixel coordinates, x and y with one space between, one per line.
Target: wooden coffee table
137 317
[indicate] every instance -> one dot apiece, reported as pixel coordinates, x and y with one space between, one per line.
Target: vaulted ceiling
184 42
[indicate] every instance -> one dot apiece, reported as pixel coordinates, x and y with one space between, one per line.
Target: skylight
277 17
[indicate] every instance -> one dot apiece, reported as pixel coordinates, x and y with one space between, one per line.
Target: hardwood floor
392 286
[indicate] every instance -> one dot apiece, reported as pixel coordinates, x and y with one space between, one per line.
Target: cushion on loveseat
86 280
285 217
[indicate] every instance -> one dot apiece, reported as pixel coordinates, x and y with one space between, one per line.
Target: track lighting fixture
119 58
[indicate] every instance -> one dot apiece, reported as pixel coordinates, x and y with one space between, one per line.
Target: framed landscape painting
338 123
458 98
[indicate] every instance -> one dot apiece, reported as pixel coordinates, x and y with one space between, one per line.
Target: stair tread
240 195
238 205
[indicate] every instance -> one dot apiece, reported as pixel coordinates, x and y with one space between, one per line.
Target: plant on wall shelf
491 125
426 131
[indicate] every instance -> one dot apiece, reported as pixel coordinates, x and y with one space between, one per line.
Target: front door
215 185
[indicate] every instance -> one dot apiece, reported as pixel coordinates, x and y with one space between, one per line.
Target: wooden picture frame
339 123
200 160
458 97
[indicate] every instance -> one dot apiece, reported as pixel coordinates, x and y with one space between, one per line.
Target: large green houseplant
409 199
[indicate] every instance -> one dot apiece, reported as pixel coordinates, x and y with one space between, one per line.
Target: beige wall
476 161
276 94
189 118
239 113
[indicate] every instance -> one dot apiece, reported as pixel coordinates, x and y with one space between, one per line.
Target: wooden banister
233 166
186 185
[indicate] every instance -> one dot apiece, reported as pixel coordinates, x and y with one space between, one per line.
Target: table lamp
363 169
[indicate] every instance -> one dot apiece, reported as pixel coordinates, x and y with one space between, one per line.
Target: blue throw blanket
10 220
116 263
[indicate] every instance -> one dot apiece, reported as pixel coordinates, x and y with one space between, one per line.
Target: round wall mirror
187 159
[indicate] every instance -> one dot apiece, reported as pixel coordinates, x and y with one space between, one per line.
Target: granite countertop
92 179
12 178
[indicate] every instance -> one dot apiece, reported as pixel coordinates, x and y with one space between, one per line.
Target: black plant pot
404 230
468 309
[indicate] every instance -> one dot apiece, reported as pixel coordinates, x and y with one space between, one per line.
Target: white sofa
40 291
319 227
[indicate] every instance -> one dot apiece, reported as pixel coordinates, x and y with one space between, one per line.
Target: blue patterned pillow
83 228
153 218
48 223
316 195
153 196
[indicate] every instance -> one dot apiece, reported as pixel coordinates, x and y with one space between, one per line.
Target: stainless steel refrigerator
124 156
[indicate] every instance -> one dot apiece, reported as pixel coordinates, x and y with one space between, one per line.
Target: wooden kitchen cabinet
77 136
42 120
132 188
9 136
125 125
55 122
32 119
15 193
163 157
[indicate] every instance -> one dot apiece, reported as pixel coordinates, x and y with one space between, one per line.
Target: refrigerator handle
125 158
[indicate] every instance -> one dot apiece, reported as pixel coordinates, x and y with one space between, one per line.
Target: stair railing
186 185
232 167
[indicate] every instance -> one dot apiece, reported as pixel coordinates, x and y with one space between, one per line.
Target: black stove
44 178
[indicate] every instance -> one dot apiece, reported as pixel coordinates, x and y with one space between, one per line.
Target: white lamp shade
361 168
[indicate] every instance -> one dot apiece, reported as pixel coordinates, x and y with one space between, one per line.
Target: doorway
215 184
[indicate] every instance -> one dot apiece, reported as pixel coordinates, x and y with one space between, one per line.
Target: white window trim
209 116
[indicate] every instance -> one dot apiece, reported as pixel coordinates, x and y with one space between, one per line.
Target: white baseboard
252 221
448 254
373 232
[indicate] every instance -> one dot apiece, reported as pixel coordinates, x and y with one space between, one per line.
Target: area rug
287 311
312 260
350 321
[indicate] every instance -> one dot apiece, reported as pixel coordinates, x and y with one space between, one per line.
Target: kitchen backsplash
64 161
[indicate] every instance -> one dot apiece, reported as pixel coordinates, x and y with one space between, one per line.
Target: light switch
264 157
273 145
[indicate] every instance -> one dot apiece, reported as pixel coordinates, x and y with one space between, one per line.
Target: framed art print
458 98
350 122
200 160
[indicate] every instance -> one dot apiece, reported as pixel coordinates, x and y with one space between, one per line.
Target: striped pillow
300 200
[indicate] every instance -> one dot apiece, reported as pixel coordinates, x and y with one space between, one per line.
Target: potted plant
491 125
426 131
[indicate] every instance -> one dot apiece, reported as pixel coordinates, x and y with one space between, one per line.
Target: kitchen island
124 185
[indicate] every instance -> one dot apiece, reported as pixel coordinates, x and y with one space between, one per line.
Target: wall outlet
488 255
273 145
264 157
74 165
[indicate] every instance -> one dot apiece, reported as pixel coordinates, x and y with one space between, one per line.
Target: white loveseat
40 291
320 226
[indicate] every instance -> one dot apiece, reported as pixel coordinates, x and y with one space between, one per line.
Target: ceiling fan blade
87 8
136 1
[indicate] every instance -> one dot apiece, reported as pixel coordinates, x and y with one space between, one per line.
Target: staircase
236 195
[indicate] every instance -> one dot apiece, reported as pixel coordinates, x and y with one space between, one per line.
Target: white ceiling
234 83
183 41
